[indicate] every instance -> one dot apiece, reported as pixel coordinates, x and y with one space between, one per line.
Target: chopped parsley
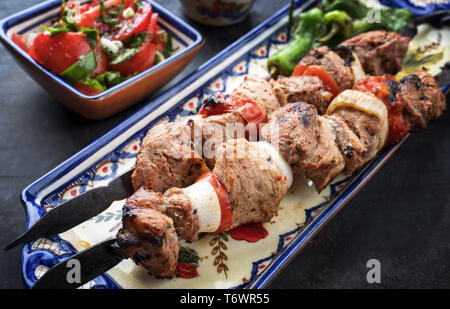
91 36
109 15
54 30
136 40
81 69
126 54
188 255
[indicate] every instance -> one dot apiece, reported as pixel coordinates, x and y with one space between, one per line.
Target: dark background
401 217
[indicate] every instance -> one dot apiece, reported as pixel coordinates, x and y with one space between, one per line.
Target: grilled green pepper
353 8
347 18
340 25
387 19
302 40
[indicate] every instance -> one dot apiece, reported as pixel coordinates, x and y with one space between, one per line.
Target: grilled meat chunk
422 99
166 158
149 238
379 52
259 91
183 214
302 89
330 162
350 146
254 183
366 127
213 131
152 222
333 64
305 141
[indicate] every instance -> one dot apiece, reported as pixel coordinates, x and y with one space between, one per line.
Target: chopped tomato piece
59 52
226 218
153 24
379 86
249 110
94 3
160 39
138 63
86 89
90 18
102 62
186 271
19 40
84 8
157 36
314 70
135 25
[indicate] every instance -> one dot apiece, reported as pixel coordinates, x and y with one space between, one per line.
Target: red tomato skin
378 86
186 271
88 90
250 111
315 70
135 25
102 62
140 62
59 52
94 3
19 40
89 19
159 39
153 24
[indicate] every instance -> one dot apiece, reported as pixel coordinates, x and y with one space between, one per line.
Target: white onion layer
204 198
357 69
366 103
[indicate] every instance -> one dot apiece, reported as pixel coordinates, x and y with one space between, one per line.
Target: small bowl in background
217 12
186 39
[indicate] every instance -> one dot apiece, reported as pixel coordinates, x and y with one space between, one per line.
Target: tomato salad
95 46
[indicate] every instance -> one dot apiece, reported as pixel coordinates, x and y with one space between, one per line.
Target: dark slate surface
401 217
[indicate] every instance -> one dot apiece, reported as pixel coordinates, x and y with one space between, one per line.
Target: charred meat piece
366 127
183 214
302 89
172 203
166 158
335 66
422 99
350 146
254 183
305 142
331 162
149 238
169 156
259 91
379 52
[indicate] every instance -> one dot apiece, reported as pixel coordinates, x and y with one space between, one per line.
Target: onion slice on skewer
366 103
204 199
357 69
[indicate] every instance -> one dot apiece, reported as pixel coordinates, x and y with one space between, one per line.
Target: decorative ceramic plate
225 262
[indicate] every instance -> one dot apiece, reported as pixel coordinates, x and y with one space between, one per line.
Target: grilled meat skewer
330 127
167 162
159 168
353 131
